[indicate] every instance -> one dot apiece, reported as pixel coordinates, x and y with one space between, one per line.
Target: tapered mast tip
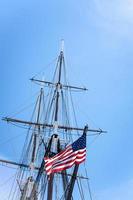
62 45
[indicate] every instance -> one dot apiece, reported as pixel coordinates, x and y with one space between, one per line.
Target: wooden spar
62 85
72 183
35 168
74 175
45 125
50 187
51 177
39 174
15 163
58 87
35 135
65 182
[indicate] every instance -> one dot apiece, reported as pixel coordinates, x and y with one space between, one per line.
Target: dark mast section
55 135
44 141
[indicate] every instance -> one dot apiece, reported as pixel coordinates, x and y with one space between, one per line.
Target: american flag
73 154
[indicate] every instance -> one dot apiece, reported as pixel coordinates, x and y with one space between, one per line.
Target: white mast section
62 45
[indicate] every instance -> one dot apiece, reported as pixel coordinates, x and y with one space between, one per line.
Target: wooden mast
51 177
37 125
74 176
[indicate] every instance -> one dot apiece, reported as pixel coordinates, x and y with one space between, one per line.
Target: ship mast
30 185
53 145
58 88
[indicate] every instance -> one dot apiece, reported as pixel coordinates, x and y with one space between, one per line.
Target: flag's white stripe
48 160
56 164
66 162
66 152
66 157
79 160
63 153
58 169
65 166
75 154
61 159
60 154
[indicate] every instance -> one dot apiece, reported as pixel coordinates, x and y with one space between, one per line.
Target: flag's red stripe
67 164
69 158
64 160
61 160
65 153
68 161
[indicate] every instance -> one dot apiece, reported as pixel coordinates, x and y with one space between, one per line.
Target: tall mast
42 146
56 117
38 127
58 86
30 185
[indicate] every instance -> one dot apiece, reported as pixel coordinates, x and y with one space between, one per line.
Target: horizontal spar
99 131
14 163
36 168
61 85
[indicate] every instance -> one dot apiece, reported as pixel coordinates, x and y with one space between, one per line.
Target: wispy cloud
115 16
115 10
120 192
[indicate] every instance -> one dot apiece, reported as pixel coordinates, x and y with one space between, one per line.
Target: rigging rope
44 68
88 184
10 139
49 116
23 105
6 181
80 189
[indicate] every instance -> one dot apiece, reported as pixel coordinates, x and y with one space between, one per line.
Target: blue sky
98 38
